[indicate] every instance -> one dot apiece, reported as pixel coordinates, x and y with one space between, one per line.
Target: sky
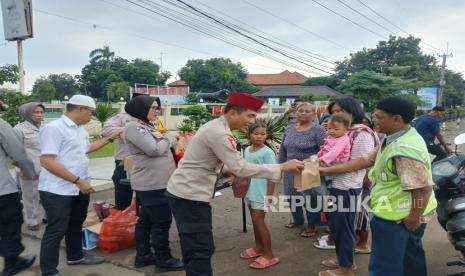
65 31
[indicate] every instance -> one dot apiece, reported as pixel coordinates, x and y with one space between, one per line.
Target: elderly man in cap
11 216
64 183
191 187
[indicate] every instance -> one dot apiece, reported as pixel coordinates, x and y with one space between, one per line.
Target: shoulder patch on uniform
232 140
142 130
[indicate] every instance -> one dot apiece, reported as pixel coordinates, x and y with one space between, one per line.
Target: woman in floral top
300 142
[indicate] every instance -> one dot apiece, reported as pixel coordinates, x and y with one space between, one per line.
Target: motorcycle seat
456 224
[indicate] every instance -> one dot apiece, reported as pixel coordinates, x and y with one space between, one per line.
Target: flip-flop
332 263
249 253
324 237
363 250
262 263
323 244
332 273
308 234
291 225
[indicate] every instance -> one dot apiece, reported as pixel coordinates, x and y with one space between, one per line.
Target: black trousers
437 150
65 216
11 219
194 222
342 224
155 214
123 192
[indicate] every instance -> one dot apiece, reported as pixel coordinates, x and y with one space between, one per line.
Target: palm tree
102 54
103 112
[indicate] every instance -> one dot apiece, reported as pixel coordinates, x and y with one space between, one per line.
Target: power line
350 20
215 20
366 17
192 25
392 23
174 16
326 59
94 26
296 25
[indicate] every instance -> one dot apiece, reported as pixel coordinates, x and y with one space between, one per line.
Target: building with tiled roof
177 83
285 78
280 95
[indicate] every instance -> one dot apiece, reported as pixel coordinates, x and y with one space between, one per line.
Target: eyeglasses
155 108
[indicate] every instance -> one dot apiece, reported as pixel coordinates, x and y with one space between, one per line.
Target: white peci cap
82 100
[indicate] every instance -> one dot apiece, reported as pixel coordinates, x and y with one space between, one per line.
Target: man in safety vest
402 200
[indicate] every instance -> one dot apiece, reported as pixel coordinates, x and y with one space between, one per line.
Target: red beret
245 100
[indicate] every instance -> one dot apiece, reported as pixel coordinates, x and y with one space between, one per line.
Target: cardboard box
90 236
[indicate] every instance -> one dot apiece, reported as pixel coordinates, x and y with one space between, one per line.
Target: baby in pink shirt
336 148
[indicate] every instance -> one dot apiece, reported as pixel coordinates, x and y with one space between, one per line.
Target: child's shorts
254 204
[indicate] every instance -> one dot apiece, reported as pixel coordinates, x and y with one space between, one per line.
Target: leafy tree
314 97
9 73
14 99
190 97
103 112
329 81
144 71
215 74
64 84
118 90
454 89
197 115
369 87
102 54
44 91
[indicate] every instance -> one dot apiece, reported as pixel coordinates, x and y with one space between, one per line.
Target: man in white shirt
64 183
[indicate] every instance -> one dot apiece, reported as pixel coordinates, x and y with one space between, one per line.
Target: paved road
298 255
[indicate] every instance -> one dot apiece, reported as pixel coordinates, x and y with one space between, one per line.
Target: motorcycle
449 189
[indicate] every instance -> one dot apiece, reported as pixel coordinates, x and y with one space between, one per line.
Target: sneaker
21 264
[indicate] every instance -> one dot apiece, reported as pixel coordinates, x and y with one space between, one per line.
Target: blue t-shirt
428 127
259 186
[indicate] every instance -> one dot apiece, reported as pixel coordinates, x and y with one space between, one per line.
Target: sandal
324 237
308 233
249 253
262 263
291 225
363 250
334 272
333 263
323 244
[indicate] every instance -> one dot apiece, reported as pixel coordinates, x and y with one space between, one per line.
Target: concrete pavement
297 254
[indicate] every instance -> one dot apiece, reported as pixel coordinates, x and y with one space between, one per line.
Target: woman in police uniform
153 165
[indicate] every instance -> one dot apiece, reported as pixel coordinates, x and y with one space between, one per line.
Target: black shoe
20 264
88 260
144 261
172 264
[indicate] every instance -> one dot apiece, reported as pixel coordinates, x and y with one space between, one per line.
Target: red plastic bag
240 186
118 230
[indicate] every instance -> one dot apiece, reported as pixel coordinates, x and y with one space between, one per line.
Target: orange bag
118 230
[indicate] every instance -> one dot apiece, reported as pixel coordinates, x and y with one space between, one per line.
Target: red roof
283 78
177 83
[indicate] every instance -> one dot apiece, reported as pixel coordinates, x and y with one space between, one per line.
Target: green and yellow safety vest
388 200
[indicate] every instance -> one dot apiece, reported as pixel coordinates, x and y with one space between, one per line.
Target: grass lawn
107 151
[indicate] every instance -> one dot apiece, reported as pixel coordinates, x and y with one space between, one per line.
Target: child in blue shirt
257 197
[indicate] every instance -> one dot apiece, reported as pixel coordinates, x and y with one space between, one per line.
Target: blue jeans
313 218
395 250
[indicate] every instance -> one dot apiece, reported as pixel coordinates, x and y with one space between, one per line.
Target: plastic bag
240 186
118 230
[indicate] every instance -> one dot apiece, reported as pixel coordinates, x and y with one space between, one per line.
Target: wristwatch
110 140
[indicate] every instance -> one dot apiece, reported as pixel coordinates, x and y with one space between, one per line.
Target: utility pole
442 82
161 61
21 67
